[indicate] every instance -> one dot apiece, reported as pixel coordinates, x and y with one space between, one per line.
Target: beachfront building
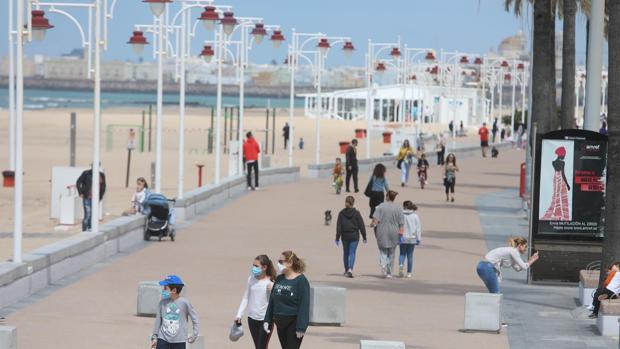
421 102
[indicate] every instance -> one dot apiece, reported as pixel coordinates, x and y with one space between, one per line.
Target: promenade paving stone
538 316
214 253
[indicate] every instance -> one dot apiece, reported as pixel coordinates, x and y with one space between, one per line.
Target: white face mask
281 268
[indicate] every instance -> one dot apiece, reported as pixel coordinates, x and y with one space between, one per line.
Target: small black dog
328 217
494 152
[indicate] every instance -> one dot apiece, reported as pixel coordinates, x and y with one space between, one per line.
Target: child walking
410 239
170 330
337 174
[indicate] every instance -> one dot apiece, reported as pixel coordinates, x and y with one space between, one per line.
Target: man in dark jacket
84 188
286 133
351 164
349 226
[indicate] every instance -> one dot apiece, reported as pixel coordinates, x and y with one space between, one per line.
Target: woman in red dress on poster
559 210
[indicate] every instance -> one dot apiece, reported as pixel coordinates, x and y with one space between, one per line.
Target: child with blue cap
171 321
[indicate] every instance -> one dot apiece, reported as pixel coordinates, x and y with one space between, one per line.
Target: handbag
236 332
399 164
368 190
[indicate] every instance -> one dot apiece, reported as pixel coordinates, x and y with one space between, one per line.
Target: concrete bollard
8 337
381 345
483 312
149 295
328 305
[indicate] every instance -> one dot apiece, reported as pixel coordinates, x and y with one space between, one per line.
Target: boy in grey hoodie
411 238
171 321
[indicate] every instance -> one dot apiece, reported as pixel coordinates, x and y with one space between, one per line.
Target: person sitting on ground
610 289
138 197
489 269
337 175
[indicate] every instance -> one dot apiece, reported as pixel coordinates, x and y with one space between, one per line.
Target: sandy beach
47 144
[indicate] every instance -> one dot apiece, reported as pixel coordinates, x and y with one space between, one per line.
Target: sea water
44 99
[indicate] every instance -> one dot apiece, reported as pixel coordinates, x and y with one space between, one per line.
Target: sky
472 26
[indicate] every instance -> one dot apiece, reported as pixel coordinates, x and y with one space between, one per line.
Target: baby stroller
159 217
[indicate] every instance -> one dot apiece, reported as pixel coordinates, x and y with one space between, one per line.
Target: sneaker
504 324
388 276
592 316
401 273
409 275
350 275
384 272
452 200
257 188
590 307
249 188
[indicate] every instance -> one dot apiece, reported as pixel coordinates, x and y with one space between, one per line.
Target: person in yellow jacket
405 159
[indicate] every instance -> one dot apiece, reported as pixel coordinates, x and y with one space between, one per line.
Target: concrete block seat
483 312
608 316
588 283
328 305
381 345
149 295
8 337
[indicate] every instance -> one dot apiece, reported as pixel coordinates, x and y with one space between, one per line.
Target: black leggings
259 336
287 332
449 184
376 198
162 344
253 165
599 292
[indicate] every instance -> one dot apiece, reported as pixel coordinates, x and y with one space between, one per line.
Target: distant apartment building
77 69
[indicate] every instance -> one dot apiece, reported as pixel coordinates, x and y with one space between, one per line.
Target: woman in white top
138 197
489 269
256 299
411 238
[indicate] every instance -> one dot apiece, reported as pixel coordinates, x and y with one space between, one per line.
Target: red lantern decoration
277 38
40 25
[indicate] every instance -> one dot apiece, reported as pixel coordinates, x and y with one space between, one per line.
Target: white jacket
413 227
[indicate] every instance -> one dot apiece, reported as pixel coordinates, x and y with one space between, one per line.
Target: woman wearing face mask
256 299
289 304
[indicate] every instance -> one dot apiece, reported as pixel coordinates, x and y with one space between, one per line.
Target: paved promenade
539 317
214 253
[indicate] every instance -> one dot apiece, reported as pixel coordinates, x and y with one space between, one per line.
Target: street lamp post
297 51
36 27
452 62
374 51
406 71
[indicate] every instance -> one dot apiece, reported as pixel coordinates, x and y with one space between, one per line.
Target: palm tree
611 245
569 12
543 112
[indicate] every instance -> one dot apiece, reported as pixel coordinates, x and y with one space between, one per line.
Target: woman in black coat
349 226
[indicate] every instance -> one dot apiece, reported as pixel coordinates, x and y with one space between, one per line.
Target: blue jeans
488 274
348 256
88 208
405 169
406 251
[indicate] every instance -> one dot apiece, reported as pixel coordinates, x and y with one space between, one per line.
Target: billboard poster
571 171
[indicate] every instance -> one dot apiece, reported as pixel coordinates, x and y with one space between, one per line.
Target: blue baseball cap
171 280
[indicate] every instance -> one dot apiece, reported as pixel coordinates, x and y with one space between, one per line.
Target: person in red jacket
251 150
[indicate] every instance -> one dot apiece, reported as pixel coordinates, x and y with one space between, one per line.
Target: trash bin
8 179
69 206
343 147
387 137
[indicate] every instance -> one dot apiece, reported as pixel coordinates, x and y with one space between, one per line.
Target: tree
543 67
611 245
569 12
543 62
